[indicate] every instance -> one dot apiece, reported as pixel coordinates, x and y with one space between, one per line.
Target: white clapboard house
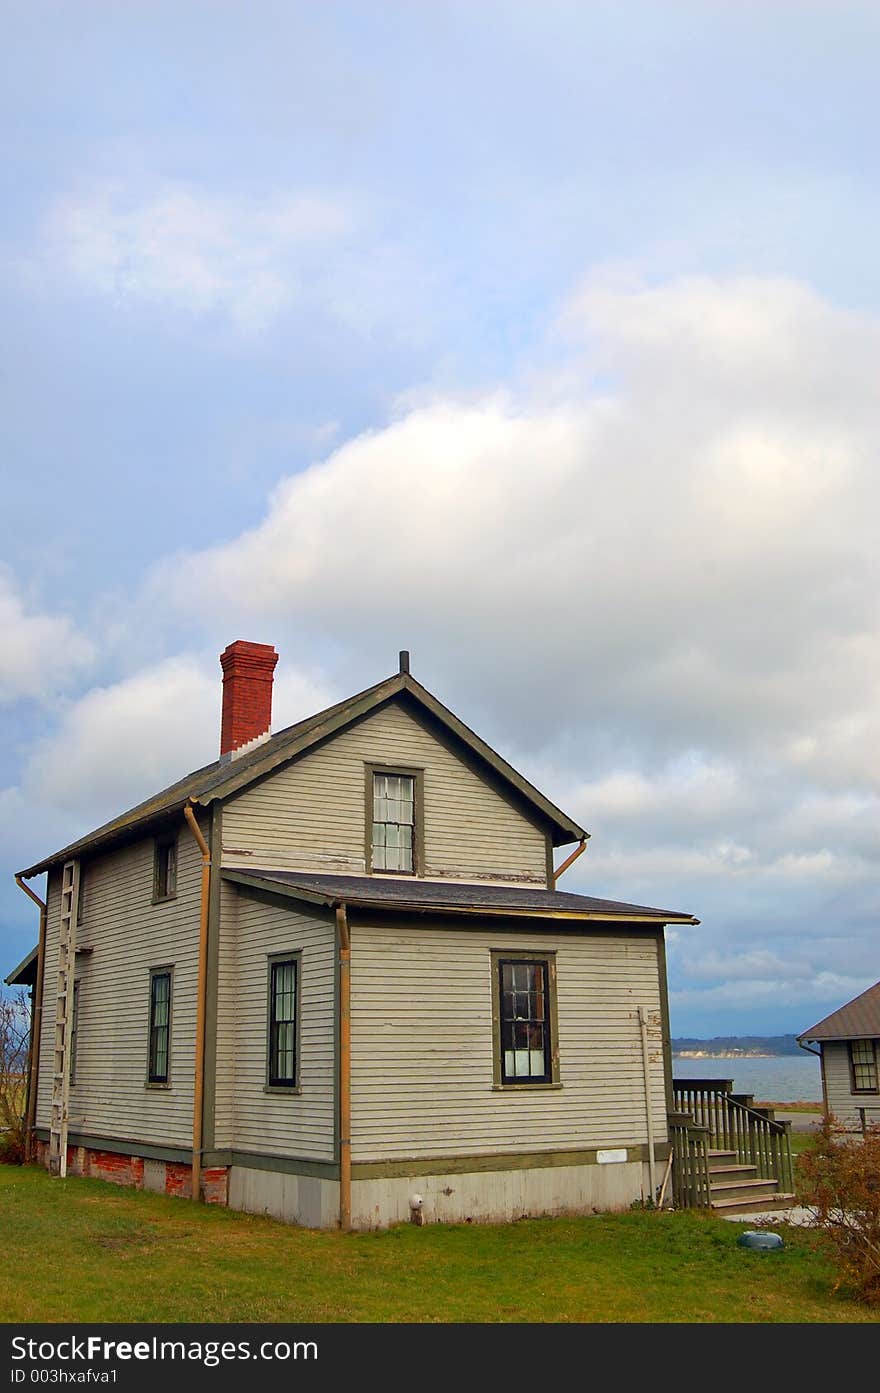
330 977
849 1049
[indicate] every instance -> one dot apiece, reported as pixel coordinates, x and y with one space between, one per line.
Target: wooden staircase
735 1186
728 1155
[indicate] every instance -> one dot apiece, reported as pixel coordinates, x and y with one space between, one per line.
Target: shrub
14 1031
839 1180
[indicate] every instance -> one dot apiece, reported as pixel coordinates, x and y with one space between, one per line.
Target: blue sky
539 339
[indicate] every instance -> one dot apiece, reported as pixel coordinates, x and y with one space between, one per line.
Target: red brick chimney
247 694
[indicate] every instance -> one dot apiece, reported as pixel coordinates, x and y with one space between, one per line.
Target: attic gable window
863 1065
394 816
165 869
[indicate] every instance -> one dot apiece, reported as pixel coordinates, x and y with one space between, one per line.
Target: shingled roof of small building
859 1019
225 777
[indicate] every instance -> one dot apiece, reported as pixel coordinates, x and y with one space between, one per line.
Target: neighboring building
849 1046
330 976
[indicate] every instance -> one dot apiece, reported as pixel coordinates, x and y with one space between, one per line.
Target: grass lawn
84 1250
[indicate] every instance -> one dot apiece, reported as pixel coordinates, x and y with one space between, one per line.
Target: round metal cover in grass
764 1242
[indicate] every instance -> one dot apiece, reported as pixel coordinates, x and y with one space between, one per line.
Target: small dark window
165 870
160 1026
526 1049
863 1063
394 817
282 1023
74 1031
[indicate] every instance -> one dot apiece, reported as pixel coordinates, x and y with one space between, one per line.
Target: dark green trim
666 1029
295 956
124 1146
160 970
375 766
291 1165
209 1093
496 956
287 1165
508 1161
165 840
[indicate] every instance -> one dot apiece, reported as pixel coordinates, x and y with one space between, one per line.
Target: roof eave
297 892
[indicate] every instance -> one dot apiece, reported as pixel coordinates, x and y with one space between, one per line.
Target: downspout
578 851
646 1064
201 1004
30 1114
344 1068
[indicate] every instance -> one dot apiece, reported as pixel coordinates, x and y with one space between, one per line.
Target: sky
542 340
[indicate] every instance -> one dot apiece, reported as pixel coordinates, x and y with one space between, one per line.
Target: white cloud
39 653
179 246
122 743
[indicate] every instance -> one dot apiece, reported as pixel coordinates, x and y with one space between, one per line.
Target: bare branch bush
839 1181
14 1034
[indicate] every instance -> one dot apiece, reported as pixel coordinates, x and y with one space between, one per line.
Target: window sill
163 899
158 1087
288 1089
524 1087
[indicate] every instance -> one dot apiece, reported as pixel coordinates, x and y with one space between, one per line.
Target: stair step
771 1204
741 1171
743 1189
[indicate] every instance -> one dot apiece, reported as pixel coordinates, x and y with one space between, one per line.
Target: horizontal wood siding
310 815
422 1057
248 1118
128 935
838 1082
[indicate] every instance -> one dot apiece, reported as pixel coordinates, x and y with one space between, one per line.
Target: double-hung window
159 1056
863 1066
392 799
283 980
525 1019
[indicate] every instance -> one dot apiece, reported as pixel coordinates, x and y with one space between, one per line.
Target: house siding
422 1045
248 1117
128 935
310 815
839 1097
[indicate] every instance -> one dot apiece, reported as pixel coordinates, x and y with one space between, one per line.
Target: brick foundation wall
121 1169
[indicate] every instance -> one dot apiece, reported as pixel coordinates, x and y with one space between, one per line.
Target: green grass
83 1250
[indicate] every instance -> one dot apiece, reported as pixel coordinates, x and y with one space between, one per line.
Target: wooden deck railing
733 1123
690 1161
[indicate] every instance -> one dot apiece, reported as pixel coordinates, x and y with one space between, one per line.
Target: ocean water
787 1078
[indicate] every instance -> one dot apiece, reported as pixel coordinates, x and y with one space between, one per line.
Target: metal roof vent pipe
248 670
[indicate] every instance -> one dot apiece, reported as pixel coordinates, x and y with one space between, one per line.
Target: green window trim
283 1013
863 1070
165 869
159 1027
516 1067
394 819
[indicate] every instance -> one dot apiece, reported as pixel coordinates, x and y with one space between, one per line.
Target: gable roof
447 896
226 777
858 1019
25 975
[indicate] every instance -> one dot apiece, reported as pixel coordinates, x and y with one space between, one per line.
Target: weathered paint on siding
422 1059
310 815
128 935
499 1196
840 1099
247 1117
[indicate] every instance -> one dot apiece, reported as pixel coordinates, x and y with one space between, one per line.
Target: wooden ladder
63 1020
